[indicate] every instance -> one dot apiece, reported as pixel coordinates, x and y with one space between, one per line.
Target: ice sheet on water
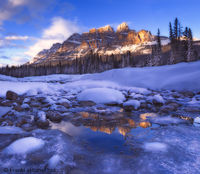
155 147
4 110
10 130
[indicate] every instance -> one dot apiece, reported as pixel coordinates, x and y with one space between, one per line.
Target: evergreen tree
170 32
176 23
158 49
190 46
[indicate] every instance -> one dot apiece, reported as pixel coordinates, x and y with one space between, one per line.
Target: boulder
86 103
10 95
54 116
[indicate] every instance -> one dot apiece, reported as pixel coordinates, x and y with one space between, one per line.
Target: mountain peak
104 29
123 27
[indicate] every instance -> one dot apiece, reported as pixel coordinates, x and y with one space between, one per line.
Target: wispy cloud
59 30
17 38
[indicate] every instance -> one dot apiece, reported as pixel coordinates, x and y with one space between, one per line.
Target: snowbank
25 145
101 95
182 76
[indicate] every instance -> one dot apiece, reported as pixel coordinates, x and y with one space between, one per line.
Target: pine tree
176 23
170 32
190 46
158 49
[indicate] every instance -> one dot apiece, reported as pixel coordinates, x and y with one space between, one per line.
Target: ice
166 120
155 147
4 110
134 103
10 130
25 145
101 95
54 161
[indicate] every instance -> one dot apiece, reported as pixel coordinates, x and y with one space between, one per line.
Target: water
117 143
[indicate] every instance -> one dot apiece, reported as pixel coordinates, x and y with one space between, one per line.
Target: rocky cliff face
103 41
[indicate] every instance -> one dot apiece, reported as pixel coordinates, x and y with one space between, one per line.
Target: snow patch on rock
25 145
101 95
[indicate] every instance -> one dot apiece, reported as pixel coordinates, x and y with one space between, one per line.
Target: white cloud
17 2
59 31
17 37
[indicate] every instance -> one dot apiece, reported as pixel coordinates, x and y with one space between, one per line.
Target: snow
155 147
101 95
134 103
197 120
158 98
41 116
25 145
182 76
10 130
4 110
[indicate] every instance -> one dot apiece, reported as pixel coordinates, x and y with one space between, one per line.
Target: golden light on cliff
146 115
131 123
124 130
144 124
107 130
84 114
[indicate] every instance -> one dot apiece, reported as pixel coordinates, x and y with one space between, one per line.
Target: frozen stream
141 144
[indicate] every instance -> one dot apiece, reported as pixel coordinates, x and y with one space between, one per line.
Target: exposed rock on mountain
123 27
104 41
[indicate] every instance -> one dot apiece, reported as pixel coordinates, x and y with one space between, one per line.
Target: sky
29 26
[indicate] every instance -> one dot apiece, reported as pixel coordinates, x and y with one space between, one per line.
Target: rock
28 127
54 116
25 106
192 109
187 93
65 104
10 95
169 108
35 104
87 103
41 120
131 105
42 124
158 100
123 27
18 108
6 103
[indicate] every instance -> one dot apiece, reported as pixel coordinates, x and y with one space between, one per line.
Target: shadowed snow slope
182 76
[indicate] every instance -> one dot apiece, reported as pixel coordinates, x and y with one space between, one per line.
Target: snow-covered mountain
104 41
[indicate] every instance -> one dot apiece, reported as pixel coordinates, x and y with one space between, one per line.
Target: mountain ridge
104 41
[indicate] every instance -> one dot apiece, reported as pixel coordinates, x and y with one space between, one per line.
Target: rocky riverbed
119 135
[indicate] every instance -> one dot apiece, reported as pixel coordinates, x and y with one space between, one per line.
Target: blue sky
27 26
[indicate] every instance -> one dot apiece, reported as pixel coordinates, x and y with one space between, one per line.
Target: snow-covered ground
182 76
